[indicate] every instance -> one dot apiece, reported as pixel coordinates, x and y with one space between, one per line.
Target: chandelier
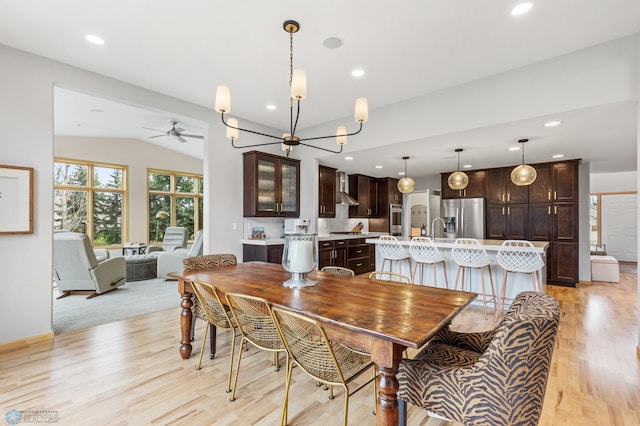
298 84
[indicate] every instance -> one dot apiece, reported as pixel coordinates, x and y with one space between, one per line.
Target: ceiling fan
174 132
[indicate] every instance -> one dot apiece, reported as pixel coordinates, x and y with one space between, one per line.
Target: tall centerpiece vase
299 257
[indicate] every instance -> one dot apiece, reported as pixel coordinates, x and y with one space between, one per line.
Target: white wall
614 182
599 75
138 155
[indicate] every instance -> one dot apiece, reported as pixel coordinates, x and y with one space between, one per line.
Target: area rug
132 299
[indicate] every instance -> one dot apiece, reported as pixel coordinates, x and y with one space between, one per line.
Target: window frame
90 190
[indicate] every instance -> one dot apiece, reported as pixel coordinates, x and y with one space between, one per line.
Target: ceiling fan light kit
524 174
298 85
458 180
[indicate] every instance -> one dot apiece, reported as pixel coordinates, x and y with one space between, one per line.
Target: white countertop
447 243
331 237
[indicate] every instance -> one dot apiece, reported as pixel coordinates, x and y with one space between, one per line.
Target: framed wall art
16 200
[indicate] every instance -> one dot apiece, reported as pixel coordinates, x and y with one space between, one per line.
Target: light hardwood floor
130 373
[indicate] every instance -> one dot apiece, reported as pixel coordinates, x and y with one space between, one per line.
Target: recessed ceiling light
467 166
552 123
272 107
332 42
521 9
92 38
348 158
401 173
514 148
378 167
357 73
557 156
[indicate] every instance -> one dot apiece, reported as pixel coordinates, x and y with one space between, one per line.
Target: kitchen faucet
433 224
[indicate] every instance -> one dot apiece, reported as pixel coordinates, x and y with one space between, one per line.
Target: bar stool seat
424 252
469 254
518 256
390 249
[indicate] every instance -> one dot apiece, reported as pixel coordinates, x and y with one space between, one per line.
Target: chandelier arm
331 136
254 145
252 131
324 149
295 125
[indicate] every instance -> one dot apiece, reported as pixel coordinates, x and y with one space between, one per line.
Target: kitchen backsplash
273 227
341 223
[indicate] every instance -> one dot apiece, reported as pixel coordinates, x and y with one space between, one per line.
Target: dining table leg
387 355
186 317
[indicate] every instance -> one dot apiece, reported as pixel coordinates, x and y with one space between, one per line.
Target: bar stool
518 256
390 249
469 254
424 252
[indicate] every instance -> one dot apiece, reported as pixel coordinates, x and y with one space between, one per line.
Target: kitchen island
516 282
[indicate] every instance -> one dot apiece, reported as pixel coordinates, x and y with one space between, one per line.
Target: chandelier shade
298 86
406 185
458 180
524 174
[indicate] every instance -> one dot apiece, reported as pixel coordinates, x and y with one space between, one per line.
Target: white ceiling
185 49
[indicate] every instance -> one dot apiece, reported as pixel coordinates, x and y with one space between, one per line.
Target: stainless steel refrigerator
464 218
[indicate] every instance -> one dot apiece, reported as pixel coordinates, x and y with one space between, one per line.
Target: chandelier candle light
298 84
524 174
458 180
406 184
299 258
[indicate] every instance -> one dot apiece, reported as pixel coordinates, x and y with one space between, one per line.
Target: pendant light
524 174
406 184
458 180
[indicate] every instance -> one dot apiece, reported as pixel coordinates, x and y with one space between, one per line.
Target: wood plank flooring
130 373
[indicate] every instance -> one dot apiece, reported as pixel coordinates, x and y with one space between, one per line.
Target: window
175 199
90 198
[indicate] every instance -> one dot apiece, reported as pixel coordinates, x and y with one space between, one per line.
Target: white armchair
172 262
175 237
77 269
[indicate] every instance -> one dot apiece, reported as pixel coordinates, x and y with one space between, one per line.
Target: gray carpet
134 298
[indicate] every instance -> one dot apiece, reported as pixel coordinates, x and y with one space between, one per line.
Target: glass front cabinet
271 185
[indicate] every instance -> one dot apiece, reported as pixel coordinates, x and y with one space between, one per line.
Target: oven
395 220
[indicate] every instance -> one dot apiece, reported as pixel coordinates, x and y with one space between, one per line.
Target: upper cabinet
365 190
501 190
556 182
388 192
326 192
271 185
475 187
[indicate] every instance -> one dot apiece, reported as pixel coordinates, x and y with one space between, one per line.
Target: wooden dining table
381 318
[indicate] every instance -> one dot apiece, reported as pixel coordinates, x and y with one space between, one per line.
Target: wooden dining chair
217 315
389 276
330 363
254 319
338 270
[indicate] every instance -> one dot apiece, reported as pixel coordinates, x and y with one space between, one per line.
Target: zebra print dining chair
496 377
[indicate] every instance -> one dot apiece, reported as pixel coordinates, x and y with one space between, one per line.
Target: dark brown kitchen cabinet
565 182
388 193
541 190
271 253
358 257
271 185
365 190
332 253
540 222
475 188
562 264
507 222
326 192
501 190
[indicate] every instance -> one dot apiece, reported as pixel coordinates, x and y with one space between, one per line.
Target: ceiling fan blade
178 129
155 130
156 136
192 136
181 139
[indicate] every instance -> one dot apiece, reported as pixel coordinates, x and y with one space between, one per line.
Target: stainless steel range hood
342 197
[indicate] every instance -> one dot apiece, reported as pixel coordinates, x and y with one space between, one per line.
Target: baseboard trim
21 343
